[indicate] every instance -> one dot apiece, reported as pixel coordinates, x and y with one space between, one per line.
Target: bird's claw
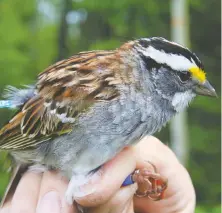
150 184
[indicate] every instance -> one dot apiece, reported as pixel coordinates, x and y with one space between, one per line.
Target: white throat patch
182 99
176 62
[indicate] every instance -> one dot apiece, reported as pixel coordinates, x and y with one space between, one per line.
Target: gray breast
106 129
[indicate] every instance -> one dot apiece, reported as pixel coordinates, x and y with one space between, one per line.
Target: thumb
112 175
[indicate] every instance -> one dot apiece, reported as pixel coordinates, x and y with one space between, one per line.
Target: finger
167 165
153 150
130 208
113 173
52 193
26 194
120 202
5 209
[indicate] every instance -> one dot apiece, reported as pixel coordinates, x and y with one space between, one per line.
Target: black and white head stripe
168 53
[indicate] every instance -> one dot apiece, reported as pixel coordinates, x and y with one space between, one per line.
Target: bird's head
177 73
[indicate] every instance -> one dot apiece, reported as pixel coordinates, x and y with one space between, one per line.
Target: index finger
26 194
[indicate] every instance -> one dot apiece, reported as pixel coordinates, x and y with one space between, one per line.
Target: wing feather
63 92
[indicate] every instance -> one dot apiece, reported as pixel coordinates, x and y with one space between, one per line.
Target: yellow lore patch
198 73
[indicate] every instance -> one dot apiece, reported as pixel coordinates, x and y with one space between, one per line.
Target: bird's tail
15 178
14 98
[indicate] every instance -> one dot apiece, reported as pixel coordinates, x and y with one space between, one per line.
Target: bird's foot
150 183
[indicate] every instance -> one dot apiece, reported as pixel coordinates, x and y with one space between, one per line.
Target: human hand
45 192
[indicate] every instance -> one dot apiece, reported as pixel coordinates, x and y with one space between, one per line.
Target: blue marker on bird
6 104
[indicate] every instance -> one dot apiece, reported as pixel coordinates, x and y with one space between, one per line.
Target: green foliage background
30 40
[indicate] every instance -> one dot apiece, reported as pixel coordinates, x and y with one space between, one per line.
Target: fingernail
50 202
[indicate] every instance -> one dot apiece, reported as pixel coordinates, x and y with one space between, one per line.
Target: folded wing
63 92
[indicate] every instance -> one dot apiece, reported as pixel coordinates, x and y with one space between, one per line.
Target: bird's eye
184 76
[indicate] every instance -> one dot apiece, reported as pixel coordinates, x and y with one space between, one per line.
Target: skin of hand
44 193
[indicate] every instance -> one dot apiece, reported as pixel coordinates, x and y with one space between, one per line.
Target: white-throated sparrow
85 109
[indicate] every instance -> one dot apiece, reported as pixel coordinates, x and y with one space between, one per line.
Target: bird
83 110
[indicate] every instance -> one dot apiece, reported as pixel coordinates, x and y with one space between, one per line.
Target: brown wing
63 92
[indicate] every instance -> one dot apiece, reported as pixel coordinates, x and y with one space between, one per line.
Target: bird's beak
205 89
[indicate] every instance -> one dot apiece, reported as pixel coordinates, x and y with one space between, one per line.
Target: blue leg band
128 181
